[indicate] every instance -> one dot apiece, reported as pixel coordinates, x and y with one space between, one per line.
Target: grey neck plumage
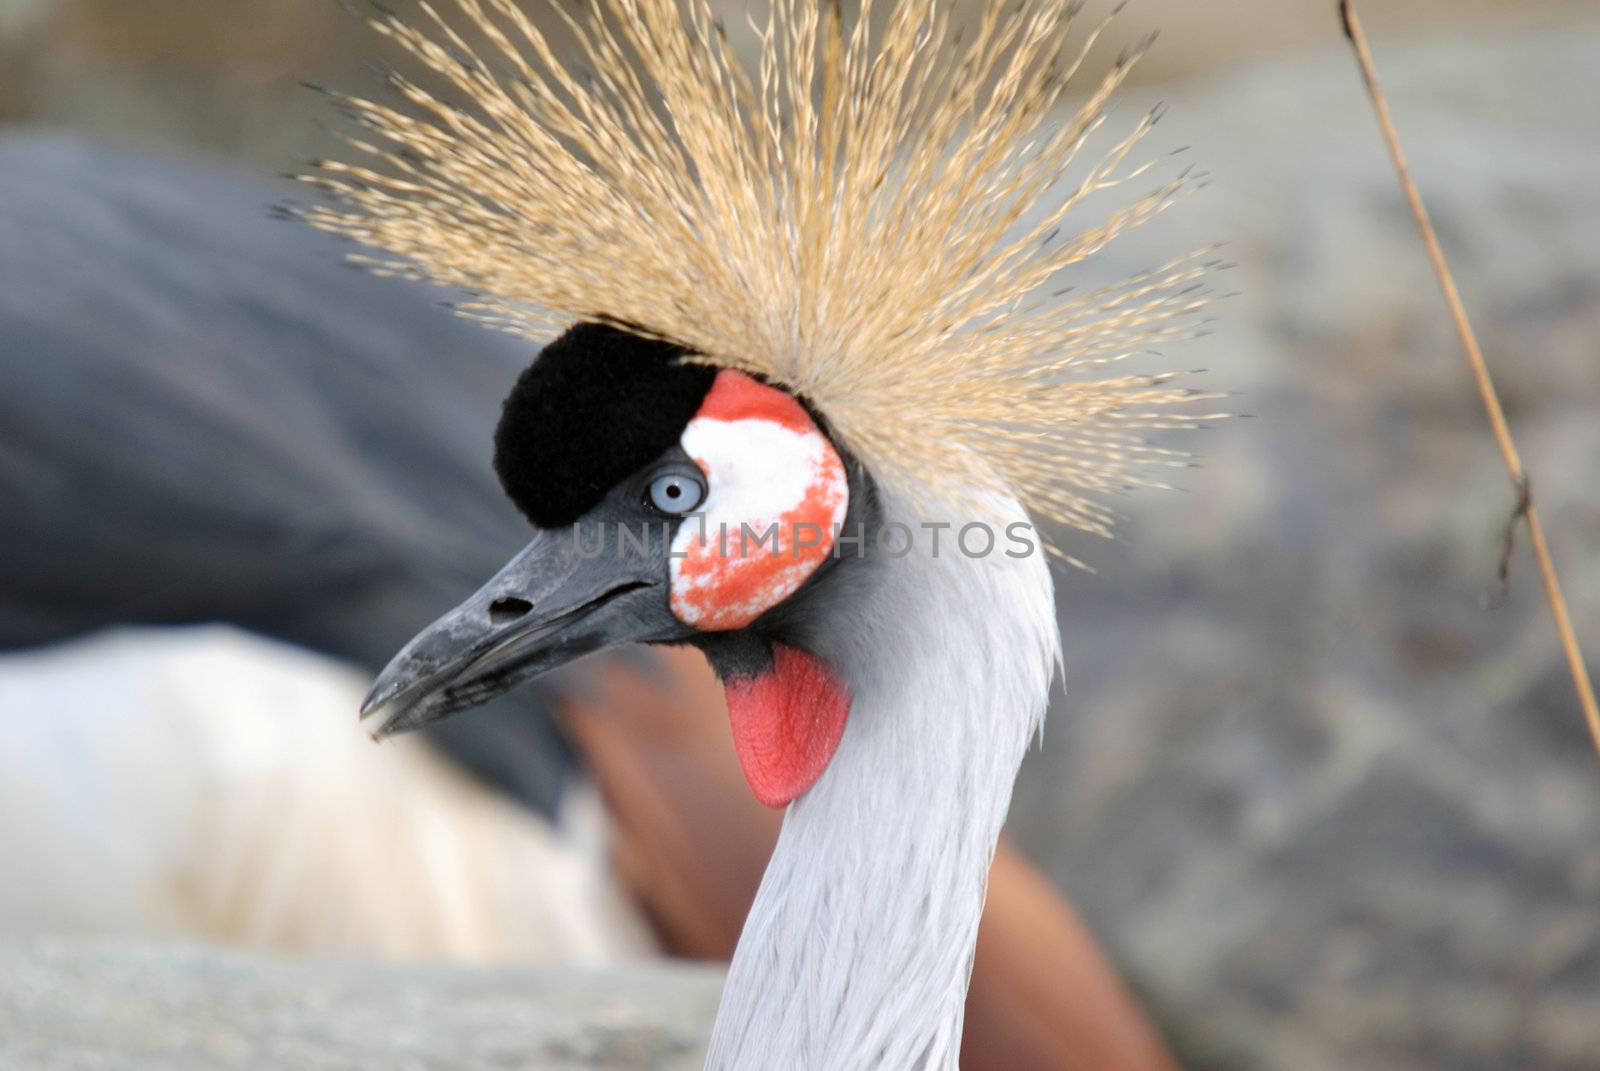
858 948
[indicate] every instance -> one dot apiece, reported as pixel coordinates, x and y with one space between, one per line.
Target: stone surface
1329 810
173 1008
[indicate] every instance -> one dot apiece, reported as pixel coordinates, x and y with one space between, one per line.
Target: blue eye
677 493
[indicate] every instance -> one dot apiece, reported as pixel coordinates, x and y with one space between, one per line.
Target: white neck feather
857 951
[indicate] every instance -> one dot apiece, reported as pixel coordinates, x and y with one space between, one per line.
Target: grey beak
548 606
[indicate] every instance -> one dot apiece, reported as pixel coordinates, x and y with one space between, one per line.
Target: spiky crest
866 219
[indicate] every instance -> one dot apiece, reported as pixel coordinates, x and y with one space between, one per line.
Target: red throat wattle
786 724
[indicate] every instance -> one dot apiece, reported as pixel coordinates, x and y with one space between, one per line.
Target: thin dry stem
1485 383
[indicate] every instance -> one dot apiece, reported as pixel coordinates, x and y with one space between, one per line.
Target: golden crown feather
878 217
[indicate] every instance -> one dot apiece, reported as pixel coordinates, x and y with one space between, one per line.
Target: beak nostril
505 610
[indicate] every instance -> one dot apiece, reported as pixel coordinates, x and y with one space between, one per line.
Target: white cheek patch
777 492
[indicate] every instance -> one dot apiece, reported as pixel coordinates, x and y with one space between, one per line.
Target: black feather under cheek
595 407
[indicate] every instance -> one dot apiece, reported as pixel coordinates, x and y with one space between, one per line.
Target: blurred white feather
209 784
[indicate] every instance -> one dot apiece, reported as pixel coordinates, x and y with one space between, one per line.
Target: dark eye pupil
674 490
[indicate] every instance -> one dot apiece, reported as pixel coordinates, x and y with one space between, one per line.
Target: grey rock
1328 810
81 1007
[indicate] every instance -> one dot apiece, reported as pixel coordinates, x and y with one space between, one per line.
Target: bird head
856 255
672 502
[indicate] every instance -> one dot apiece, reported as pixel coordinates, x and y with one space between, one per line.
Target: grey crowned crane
198 409
805 323
203 403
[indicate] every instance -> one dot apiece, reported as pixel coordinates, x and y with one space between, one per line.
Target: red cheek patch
787 723
777 491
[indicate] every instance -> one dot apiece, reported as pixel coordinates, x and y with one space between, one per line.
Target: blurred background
1317 783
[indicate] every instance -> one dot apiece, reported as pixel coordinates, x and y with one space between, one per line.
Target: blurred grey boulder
173 1008
1327 809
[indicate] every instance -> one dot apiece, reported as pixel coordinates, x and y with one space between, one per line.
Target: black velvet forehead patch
596 405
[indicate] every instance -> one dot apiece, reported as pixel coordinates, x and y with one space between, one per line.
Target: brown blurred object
199 36
225 76
688 837
691 842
